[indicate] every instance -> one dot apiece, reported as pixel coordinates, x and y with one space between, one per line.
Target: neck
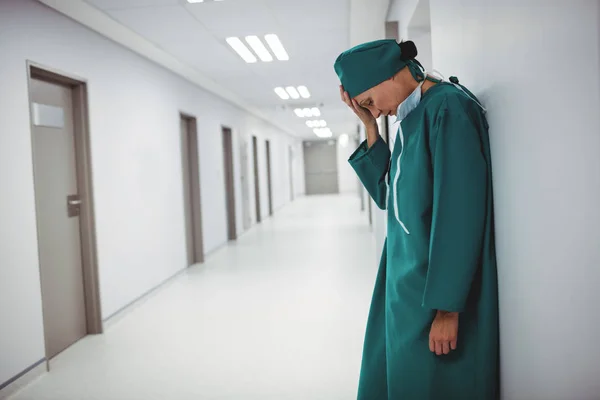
427 85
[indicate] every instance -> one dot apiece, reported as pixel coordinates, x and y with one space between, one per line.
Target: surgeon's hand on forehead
365 115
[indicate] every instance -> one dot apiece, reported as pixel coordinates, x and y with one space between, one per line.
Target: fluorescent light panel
307 112
316 124
323 132
303 90
259 48
293 92
277 48
282 93
239 47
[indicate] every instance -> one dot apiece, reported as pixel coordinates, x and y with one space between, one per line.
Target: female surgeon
432 331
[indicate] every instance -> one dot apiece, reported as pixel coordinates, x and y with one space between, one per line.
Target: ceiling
313 32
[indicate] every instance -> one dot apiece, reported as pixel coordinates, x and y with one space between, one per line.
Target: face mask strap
417 70
437 75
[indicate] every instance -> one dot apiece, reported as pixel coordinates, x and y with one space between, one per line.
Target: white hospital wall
423 42
134 124
367 20
535 66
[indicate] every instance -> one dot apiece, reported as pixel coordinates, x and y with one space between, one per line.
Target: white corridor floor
280 314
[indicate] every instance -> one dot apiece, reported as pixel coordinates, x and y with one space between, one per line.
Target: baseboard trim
15 384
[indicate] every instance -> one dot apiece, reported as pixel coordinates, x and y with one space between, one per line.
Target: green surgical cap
367 65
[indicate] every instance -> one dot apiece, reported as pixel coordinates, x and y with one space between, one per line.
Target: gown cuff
377 154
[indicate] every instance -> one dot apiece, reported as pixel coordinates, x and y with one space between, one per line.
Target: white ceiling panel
163 25
235 18
304 16
247 88
314 33
318 42
213 58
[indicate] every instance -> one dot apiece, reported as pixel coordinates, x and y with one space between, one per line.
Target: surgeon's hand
365 115
444 333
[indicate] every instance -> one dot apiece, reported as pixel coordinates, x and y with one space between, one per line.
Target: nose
375 113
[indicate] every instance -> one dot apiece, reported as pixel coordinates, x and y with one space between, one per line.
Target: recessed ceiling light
299 112
293 92
259 48
240 48
316 124
323 132
282 93
315 112
307 112
303 90
277 48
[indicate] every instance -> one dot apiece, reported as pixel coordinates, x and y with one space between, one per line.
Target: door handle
73 205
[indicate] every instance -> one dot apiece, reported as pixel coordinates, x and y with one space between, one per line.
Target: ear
398 75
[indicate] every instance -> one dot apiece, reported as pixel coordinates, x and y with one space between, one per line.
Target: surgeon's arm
372 133
459 209
371 159
371 162
458 221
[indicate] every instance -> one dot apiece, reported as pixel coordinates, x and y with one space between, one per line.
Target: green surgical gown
439 254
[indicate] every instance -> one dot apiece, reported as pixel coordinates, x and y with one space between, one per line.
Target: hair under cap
368 64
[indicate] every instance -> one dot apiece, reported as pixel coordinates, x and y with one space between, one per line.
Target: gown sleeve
459 208
371 166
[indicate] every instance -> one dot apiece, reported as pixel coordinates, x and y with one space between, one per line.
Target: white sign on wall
48 116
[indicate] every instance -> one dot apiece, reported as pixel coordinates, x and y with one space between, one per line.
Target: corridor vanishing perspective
279 314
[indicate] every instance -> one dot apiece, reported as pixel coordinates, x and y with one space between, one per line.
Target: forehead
376 91
363 96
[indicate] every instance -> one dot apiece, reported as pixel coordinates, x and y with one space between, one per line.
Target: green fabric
368 64
447 261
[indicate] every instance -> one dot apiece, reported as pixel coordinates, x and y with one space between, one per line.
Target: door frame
245 182
269 182
256 179
83 166
229 166
192 188
291 167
